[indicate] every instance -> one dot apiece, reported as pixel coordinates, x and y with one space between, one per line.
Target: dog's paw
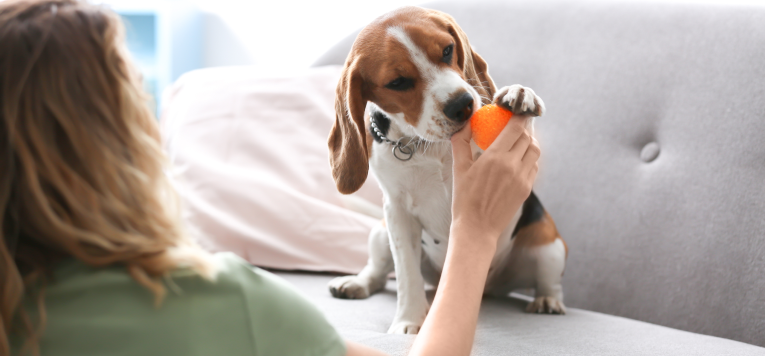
349 287
520 100
404 327
546 305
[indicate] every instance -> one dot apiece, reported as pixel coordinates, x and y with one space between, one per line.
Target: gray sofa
653 168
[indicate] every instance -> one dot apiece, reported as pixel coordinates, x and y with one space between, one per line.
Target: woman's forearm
450 326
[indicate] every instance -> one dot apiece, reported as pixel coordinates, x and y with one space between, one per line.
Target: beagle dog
410 81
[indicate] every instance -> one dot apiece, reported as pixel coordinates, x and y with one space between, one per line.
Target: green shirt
246 311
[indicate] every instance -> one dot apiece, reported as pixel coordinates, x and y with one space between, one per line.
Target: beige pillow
250 153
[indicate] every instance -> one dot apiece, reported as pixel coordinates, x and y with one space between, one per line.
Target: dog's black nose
460 108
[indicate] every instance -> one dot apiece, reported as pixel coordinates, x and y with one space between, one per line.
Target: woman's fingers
509 135
521 146
532 152
463 155
532 175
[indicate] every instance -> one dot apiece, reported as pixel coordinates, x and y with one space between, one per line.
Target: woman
91 234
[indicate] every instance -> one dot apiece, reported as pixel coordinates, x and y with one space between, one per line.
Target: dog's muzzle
460 108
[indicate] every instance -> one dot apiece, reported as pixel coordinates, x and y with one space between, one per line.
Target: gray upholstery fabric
676 237
505 329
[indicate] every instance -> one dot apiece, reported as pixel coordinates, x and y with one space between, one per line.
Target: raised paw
404 327
349 287
546 305
520 100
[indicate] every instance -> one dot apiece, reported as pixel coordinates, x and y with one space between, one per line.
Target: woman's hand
489 191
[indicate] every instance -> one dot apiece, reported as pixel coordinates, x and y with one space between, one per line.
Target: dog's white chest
422 187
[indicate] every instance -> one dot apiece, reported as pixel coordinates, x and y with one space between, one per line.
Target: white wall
283 34
277 34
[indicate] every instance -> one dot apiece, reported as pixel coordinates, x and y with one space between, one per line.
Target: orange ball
487 122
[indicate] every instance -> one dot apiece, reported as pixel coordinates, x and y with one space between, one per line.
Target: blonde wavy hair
81 166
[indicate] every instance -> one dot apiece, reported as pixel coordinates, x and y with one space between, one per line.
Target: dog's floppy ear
474 68
348 152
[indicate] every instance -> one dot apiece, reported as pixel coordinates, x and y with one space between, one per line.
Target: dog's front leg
405 233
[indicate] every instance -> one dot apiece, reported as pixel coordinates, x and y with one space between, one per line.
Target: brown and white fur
398 71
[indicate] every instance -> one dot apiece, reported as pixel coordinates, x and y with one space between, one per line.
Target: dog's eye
448 51
400 84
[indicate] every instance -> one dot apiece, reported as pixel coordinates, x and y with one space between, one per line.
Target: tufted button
650 152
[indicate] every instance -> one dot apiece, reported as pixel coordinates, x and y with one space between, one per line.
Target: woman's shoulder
278 311
235 278
233 270
245 310
265 293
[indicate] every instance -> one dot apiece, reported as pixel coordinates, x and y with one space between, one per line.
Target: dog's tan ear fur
474 68
348 151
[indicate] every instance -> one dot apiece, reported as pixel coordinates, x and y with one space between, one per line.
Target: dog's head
417 66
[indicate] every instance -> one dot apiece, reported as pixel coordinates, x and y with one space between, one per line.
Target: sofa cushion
505 329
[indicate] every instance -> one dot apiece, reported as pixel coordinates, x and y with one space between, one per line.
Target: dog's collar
403 152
